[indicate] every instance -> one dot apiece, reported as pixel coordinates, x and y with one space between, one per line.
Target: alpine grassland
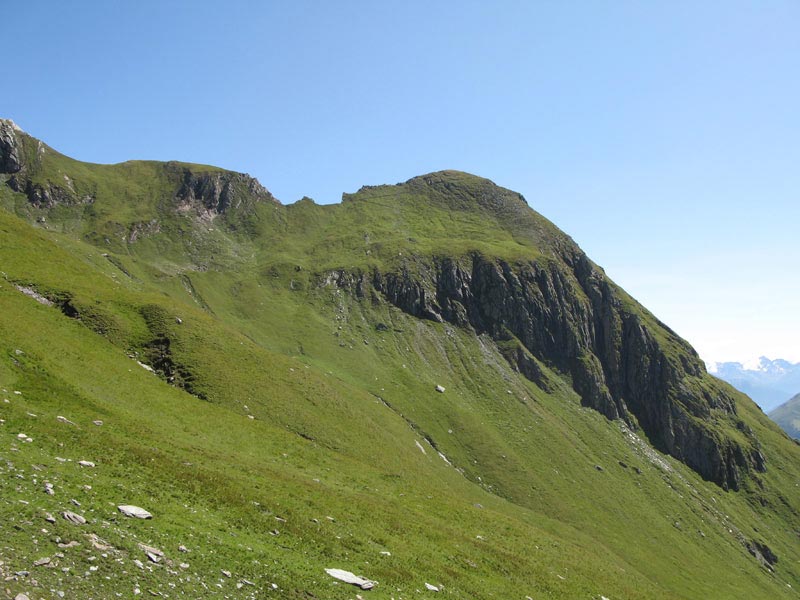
262 378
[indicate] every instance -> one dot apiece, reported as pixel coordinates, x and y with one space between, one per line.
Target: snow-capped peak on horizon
769 382
762 364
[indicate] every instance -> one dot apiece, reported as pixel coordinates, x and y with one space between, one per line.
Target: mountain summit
434 352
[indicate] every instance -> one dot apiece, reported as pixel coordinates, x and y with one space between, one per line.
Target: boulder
73 517
348 577
431 588
134 511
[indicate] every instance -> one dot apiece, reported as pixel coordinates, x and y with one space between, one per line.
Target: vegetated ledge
566 314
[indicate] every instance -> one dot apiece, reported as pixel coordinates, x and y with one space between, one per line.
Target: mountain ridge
329 328
787 415
544 314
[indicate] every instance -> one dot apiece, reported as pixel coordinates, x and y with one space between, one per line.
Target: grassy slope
787 415
367 463
309 364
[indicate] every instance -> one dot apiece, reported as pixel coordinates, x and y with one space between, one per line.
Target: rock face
566 314
20 155
212 194
11 153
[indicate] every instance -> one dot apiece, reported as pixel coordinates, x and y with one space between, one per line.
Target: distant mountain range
769 382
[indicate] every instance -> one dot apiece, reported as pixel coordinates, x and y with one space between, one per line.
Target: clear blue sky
664 137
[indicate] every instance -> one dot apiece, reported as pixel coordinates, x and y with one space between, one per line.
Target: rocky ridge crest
214 193
203 191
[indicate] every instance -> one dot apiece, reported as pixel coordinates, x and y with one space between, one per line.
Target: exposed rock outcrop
569 316
11 151
762 553
19 168
213 193
48 195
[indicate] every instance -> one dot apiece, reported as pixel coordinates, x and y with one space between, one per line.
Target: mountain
787 415
428 385
769 382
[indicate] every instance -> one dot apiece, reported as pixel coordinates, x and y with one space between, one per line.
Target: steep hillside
428 383
787 415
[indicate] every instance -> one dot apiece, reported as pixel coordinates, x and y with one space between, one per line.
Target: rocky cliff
570 317
10 147
559 312
216 192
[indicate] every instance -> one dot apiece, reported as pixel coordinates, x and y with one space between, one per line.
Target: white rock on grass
73 517
348 577
86 463
134 511
430 587
440 389
99 543
154 554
